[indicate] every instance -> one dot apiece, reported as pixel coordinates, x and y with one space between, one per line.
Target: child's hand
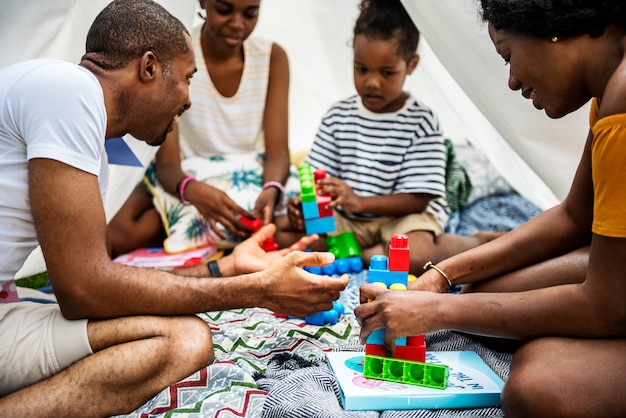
264 206
342 195
294 213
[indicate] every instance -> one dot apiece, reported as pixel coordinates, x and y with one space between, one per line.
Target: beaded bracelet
180 189
429 265
276 184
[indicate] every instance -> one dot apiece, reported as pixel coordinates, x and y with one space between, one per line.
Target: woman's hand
400 313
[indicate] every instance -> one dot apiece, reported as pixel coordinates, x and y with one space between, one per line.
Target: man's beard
159 140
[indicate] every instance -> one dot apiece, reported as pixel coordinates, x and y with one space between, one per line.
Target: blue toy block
378 337
313 269
339 266
379 272
310 210
326 317
319 225
343 265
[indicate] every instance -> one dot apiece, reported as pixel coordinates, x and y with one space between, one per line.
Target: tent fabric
459 76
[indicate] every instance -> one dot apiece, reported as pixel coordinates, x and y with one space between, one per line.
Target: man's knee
193 338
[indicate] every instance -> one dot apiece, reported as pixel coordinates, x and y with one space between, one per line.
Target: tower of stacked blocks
318 217
408 364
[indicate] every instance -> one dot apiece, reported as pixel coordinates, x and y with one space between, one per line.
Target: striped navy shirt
384 153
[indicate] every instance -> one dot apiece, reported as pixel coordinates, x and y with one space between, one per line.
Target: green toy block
406 371
307 183
343 245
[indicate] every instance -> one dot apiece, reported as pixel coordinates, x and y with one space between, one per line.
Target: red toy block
375 350
256 224
252 224
319 174
415 352
323 200
399 253
269 245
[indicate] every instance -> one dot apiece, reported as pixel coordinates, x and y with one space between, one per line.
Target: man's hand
249 257
293 291
400 313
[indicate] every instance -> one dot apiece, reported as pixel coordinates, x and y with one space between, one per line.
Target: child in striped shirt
383 150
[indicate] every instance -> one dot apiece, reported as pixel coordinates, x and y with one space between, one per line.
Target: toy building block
318 217
330 316
339 266
379 272
405 371
320 225
254 225
399 255
394 278
414 349
343 245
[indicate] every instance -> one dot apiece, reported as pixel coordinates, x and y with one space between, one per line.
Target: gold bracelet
429 265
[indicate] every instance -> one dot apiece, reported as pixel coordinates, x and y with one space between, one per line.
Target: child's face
230 22
379 73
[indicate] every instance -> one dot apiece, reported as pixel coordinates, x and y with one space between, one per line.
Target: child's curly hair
387 19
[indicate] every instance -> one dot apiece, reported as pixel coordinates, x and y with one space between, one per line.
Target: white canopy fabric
459 75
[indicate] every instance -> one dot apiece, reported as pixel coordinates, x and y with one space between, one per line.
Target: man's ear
149 66
413 64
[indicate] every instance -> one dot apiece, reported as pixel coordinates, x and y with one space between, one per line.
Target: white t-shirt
48 109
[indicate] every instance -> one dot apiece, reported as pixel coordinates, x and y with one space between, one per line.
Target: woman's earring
555 39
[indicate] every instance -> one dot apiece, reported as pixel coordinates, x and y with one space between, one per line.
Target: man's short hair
126 29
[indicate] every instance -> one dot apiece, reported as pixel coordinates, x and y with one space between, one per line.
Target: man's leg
561 377
134 358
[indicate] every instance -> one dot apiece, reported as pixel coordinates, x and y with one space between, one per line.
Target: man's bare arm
71 228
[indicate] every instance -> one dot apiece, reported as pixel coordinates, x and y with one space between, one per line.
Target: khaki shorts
379 231
36 342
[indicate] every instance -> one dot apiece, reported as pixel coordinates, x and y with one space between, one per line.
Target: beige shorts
36 342
379 231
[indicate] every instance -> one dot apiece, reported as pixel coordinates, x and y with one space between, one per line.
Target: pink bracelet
181 188
276 184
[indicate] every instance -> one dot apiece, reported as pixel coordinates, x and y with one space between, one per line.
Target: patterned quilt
245 341
248 342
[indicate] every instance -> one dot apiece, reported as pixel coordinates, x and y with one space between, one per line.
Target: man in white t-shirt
119 334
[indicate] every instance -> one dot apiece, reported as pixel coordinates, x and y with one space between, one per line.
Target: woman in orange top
558 282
